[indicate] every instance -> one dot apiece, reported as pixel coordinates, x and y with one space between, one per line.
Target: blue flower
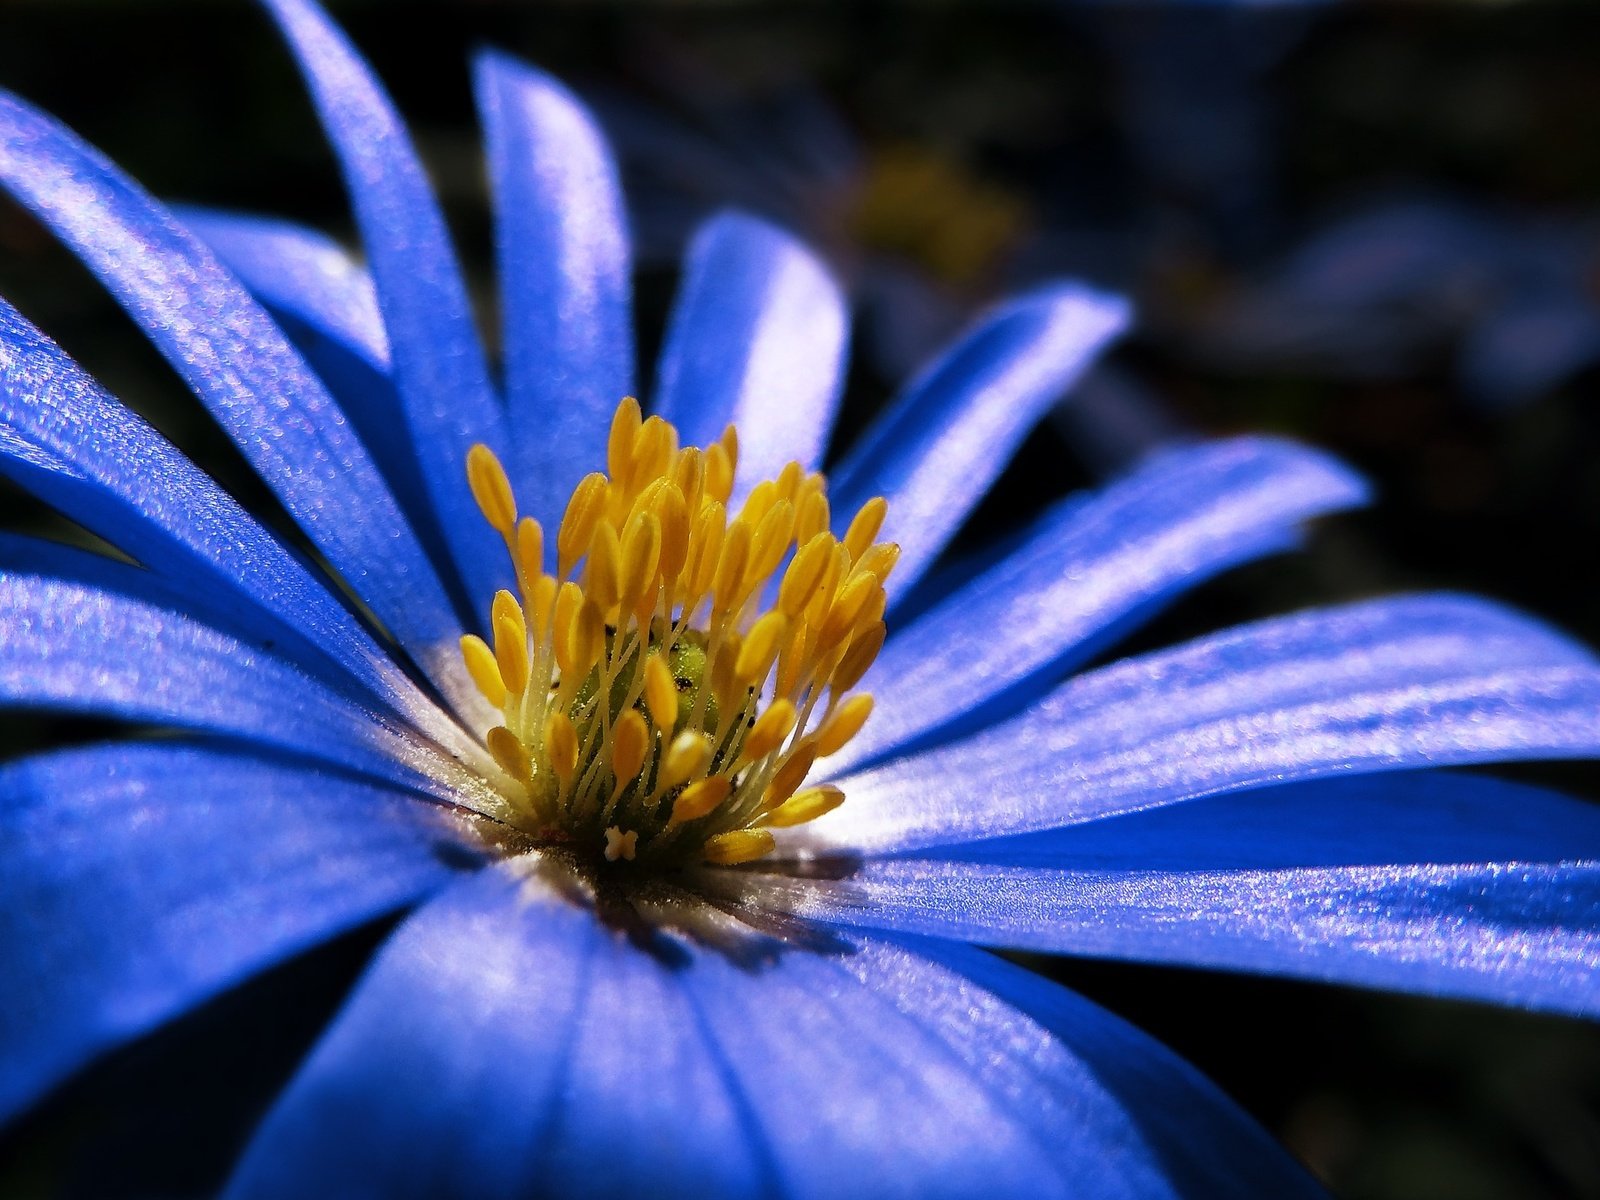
816 1020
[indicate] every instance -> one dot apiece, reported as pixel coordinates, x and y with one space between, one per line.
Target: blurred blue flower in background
813 1023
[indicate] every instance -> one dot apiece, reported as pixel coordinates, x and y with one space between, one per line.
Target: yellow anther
602 575
584 510
876 603
864 527
811 516
621 845
725 684
767 734
510 753
672 511
804 573
880 560
491 489
700 798
705 551
793 661
847 606
530 551
718 474
788 481
641 554
728 590
843 724
561 746
729 441
505 608
619 444
832 576
737 846
578 632
653 448
511 651
804 806
858 658
484 670
791 774
660 693
541 599
759 502
689 473
769 543
689 754
761 646
630 742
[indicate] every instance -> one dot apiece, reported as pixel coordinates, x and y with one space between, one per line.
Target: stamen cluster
666 691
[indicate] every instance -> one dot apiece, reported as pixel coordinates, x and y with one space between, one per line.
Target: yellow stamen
845 722
509 753
629 742
698 799
864 527
771 727
484 670
804 806
491 489
660 693
737 846
584 511
689 754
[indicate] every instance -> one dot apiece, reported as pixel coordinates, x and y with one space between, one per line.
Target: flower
551 1017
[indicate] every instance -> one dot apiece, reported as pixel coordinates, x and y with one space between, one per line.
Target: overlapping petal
1406 682
947 437
1085 572
438 363
562 248
757 340
473 1058
1443 884
240 365
141 879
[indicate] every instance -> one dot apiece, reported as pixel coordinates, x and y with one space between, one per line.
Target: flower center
665 692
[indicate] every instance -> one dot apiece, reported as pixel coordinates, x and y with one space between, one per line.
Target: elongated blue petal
500 1044
1405 682
1083 572
142 879
757 339
504 1044
1119 1114
300 273
949 435
239 364
70 645
561 242
1442 884
439 368
80 451
325 303
1206 1147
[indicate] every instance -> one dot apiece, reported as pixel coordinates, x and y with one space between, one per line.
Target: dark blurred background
1374 227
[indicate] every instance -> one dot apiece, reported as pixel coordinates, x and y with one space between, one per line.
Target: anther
843 724
864 527
737 846
804 806
700 798
491 489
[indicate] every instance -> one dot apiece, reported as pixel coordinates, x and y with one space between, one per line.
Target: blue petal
562 246
1406 682
1202 1142
1084 573
757 339
298 272
325 303
1442 884
141 879
507 1043
80 451
940 445
243 369
68 644
439 368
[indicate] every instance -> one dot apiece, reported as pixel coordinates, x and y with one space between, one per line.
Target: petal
239 364
1435 883
940 445
1084 573
325 303
87 456
142 879
506 1042
757 339
1406 682
67 644
566 292
300 273
439 368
